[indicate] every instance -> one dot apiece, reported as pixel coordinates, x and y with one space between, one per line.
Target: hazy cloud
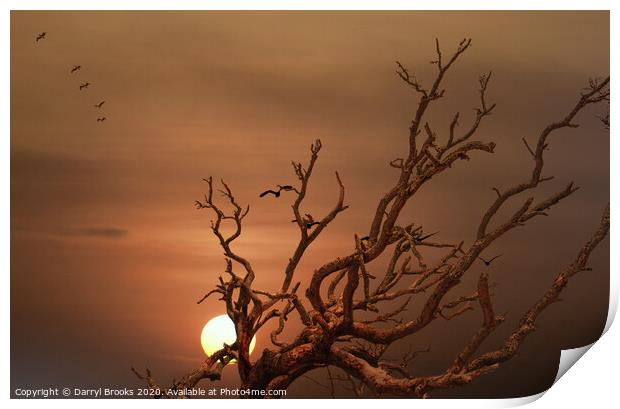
97 232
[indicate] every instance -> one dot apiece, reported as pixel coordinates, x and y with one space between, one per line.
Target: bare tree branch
333 335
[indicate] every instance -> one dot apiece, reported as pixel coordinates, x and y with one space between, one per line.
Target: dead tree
333 335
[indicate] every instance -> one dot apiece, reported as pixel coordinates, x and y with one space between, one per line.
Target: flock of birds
309 221
83 85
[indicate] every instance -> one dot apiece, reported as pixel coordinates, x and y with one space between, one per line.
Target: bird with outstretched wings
488 262
276 193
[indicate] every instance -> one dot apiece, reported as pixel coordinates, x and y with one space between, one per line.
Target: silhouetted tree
332 334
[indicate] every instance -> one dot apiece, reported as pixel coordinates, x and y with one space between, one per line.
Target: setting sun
217 332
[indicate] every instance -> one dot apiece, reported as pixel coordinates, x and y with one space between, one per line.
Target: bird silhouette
103 118
41 36
308 221
84 85
276 193
76 68
488 262
99 104
419 238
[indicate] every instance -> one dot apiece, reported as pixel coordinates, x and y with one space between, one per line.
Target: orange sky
108 253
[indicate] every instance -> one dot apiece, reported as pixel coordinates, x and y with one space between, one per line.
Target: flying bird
276 193
84 85
308 221
103 118
40 36
421 238
99 104
76 68
488 262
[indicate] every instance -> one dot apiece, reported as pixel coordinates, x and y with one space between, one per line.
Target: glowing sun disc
218 331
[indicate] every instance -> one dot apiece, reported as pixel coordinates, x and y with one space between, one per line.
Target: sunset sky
109 254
